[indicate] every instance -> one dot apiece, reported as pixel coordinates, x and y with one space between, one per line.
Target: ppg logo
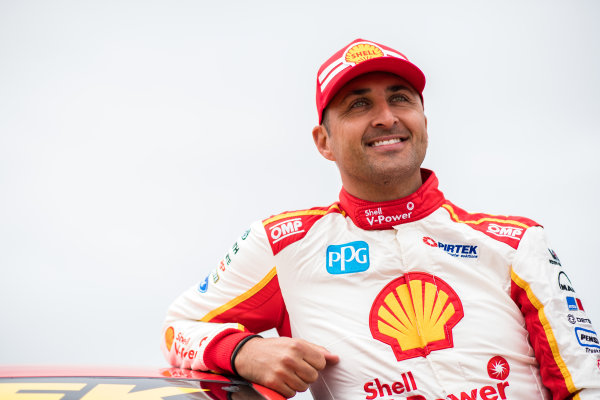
348 258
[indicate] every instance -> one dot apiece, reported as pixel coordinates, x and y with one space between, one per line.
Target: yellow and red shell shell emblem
169 337
362 52
415 314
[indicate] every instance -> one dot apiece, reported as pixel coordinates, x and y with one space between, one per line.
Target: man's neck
384 191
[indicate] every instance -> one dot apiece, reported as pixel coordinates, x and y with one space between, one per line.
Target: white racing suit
420 299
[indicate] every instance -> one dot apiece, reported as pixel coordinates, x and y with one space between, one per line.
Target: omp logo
505 231
285 229
348 258
415 315
587 338
564 283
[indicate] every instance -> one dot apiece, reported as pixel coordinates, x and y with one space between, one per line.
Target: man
392 292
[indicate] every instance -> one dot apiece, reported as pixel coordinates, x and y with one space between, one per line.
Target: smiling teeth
384 142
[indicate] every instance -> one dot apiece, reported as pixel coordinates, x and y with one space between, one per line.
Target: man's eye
399 98
359 103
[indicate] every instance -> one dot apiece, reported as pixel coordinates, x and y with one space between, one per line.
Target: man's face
376 132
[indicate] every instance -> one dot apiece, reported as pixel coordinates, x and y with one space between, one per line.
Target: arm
563 339
208 325
238 298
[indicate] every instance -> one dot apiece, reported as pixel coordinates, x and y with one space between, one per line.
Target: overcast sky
138 139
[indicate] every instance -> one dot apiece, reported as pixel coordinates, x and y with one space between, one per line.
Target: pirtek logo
505 231
455 250
286 229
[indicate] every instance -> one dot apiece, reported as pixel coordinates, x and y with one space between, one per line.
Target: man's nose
384 117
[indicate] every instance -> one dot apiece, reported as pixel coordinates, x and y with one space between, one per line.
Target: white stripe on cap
333 74
326 71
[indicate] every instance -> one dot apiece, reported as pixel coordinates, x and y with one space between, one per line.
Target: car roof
89 378
22 371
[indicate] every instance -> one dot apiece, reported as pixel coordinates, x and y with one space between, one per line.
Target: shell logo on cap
415 315
362 52
169 337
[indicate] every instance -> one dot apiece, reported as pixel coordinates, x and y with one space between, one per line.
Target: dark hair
325 121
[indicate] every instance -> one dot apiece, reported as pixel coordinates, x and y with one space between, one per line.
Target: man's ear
321 138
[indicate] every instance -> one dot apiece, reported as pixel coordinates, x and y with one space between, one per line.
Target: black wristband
237 350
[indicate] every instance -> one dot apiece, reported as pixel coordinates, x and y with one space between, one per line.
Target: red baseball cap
358 58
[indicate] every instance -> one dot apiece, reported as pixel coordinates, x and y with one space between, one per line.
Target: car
95 383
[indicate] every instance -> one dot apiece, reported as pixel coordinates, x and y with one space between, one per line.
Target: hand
285 365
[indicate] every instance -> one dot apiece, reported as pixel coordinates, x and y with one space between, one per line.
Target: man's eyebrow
397 88
355 92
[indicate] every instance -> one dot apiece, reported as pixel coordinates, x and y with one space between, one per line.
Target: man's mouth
385 142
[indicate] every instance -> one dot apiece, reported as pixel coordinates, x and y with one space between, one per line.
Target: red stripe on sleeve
260 312
552 377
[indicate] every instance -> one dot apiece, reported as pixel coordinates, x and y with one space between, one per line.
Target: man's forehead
368 82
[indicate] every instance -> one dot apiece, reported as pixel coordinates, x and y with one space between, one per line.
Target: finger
307 372
280 386
319 356
286 391
331 359
297 384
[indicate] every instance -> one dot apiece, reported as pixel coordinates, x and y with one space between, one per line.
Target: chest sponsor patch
455 250
415 314
348 258
509 232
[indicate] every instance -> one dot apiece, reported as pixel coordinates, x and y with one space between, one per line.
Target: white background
138 139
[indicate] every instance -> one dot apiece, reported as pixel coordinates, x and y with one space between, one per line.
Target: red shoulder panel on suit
289 227
504 228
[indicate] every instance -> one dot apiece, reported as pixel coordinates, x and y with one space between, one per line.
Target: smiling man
392 292
380 136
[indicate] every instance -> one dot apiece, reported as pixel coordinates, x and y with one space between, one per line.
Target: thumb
330 358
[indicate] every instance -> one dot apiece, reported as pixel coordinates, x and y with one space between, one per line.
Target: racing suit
420 299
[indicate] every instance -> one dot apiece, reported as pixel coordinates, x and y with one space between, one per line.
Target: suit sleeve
563 338
238 298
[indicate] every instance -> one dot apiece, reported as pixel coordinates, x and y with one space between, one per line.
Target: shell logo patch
169 337
498 368
415 315
362 52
